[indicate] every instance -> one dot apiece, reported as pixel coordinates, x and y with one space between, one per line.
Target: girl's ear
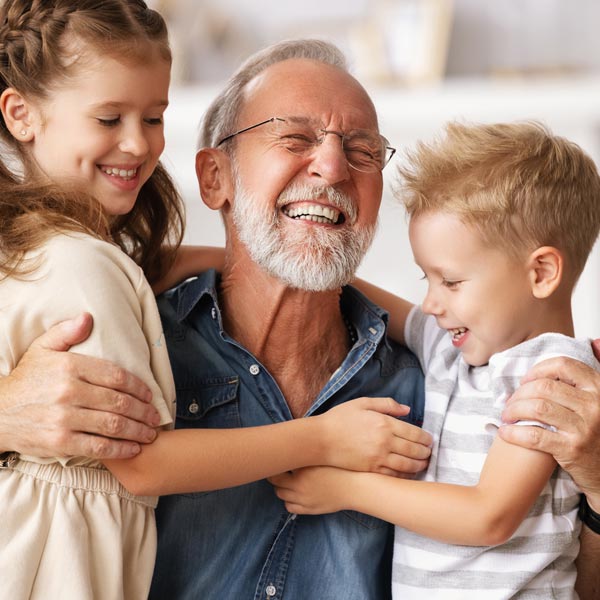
215 179
546 267
17 114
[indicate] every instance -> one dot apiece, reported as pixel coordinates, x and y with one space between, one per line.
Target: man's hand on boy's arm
57 403
563 393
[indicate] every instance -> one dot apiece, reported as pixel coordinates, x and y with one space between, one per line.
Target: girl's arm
190 261
358 434
96 277
397 307
481 515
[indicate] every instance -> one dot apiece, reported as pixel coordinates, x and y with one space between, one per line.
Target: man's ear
546 269
18 115
215 179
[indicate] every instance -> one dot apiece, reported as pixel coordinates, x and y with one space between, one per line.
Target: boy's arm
481 515
397 307
190 261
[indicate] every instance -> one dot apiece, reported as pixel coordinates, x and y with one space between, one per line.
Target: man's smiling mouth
314 212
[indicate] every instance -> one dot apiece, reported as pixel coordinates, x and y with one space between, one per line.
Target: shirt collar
369 319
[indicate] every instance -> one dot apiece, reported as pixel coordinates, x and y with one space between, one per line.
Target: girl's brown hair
38 42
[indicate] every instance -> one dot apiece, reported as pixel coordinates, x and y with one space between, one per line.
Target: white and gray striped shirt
462 411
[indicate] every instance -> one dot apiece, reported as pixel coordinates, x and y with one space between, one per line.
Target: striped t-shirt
462 411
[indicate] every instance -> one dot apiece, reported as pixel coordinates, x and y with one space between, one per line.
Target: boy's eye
109 122
154 121
450 283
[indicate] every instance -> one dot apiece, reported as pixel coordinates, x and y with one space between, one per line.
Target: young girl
502 218
83 88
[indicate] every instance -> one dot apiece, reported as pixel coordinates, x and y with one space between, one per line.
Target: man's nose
328 160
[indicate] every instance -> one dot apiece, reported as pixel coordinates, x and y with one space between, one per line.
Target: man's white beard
314 259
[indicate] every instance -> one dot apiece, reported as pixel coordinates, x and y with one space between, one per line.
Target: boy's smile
481 295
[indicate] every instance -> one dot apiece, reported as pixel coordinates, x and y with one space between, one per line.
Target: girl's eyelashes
108 122
116 120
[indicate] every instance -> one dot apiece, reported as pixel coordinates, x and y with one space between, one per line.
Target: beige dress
69 529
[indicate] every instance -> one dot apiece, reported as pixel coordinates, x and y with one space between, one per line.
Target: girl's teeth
119 172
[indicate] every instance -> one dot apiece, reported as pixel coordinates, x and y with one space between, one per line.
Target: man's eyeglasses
365 150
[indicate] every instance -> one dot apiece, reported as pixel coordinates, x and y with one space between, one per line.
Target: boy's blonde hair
518 184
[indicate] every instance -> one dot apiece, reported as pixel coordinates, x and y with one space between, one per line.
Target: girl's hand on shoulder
365 435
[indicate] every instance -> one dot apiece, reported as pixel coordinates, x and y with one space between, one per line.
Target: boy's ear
546 266
215 179
18 115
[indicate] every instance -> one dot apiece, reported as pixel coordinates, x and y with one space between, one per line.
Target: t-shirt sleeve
82 274
508 367
422 335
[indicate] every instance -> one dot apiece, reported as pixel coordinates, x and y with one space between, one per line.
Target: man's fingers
102 373
100 448
532 437
542 396
66 334
568 370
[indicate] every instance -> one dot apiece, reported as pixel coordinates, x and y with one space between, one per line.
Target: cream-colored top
76 273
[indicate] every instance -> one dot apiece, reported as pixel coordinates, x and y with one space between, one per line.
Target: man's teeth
458 332
314 212
124 173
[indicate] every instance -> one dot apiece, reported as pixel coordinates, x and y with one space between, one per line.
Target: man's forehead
302 86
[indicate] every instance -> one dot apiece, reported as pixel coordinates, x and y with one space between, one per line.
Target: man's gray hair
220 120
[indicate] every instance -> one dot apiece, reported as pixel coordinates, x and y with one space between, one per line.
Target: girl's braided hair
39 43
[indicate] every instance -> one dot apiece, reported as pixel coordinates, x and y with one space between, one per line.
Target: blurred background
424 62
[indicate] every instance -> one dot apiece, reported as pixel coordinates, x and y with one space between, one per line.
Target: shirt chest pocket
210 403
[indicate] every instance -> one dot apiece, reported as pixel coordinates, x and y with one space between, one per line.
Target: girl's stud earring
23 131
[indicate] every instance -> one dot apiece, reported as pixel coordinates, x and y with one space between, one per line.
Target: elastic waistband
95 480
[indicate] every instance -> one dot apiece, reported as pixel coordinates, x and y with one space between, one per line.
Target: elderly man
292 158
293 161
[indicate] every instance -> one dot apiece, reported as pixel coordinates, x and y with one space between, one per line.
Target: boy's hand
58 403
314 490
365 435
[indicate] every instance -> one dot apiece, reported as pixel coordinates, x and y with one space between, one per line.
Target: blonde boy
502 219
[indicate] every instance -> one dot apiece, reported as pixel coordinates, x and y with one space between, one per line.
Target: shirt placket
271 583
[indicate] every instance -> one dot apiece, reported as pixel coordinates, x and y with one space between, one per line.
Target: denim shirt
240 543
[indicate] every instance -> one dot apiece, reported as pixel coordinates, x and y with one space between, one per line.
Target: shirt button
271 590
193 408
254 369
213 312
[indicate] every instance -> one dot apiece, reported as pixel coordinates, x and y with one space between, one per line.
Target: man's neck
299 336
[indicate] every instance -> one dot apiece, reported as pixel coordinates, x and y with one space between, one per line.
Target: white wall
570 107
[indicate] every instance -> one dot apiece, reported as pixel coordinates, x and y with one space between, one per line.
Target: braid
40 43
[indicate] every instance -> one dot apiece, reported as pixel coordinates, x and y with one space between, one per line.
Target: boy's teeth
457 332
